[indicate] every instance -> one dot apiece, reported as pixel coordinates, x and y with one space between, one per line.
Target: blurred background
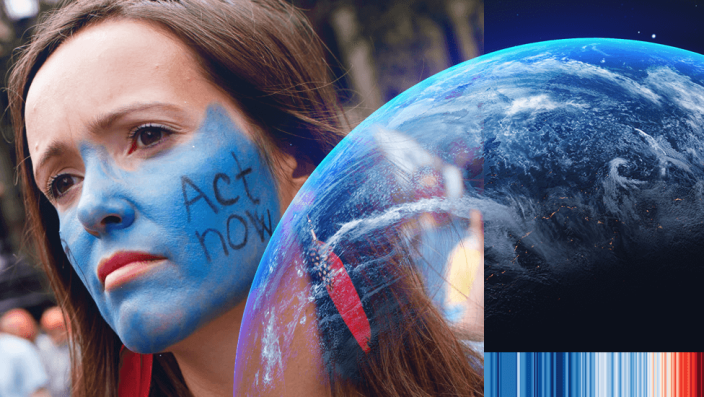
377 50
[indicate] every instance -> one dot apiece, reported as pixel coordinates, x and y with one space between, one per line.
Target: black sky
678 23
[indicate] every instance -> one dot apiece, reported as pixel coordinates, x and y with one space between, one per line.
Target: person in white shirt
54 351
21 370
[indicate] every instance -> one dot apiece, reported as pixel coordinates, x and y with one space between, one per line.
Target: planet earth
594 179
585 159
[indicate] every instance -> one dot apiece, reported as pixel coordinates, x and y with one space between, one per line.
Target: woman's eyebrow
55 149
104 121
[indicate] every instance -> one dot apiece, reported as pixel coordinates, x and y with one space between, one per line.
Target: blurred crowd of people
34 358
457 284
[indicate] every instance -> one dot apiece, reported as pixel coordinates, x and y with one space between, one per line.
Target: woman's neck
207 357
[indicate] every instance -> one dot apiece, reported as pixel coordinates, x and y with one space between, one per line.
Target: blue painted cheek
208 205
75 247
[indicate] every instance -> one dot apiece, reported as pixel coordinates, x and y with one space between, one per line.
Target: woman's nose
103 206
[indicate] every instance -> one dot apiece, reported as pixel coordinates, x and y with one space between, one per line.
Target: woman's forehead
110 65
101 60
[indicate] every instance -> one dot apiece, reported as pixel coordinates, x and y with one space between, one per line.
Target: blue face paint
208 205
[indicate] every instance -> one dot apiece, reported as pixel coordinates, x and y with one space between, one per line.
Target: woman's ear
293 174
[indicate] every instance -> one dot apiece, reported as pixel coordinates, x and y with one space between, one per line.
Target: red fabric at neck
135 374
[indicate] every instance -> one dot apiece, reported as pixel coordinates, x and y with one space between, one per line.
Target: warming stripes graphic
594 374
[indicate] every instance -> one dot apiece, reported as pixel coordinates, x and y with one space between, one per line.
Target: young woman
148 130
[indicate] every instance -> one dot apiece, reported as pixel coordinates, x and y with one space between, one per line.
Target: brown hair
265 55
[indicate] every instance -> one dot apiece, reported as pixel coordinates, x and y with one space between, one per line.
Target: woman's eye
60 184
147 136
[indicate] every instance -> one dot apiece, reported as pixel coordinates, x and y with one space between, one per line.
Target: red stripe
347 302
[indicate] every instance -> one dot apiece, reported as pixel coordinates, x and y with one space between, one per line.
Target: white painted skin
127 67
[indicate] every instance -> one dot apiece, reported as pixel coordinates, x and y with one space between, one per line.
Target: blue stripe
575 374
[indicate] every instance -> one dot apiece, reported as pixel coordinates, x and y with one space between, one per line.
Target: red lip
120 259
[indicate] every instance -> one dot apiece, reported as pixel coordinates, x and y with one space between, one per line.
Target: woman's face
164 201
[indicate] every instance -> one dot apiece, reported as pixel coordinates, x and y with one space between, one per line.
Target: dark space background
677 23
